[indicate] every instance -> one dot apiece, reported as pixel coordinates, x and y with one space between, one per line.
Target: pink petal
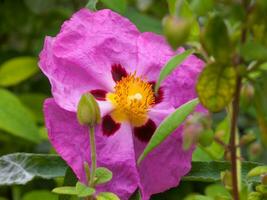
80 57
116 152
164 167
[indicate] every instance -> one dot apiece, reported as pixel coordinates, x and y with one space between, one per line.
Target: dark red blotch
145 132
109 126
118 72
99 94
159 96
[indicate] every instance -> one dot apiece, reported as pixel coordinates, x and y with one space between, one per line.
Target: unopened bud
176 30
264 179
255 150
226 178
88 110
248 138
227 155
191 135
247 91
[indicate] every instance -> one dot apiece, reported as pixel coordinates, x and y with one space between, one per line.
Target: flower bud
247 92
248 138
226 178
176 30
191 135
255 150
88 110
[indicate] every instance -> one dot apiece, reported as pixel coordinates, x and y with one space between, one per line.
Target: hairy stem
93 155
233 149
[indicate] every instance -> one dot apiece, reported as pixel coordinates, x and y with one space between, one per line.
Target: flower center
132 99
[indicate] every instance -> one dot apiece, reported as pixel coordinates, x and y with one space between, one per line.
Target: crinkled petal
153 53
116 153
80 57
164 167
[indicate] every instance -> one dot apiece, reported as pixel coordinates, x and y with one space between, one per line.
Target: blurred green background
23 88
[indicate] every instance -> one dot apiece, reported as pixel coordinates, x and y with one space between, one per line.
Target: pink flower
104 53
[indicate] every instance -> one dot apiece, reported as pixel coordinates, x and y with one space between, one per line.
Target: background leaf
216 86
40 194
15 118
116 5
16 70
210 171
168 125
20 168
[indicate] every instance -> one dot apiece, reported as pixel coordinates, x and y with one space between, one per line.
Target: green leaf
171 65
103 175
92 5
201 7
20 168
15 118
40 194
254 51
136 195
257 171
219 47
70 179
16 70
197 197
169 124
145 23
107 196
65 190
211 171
83 190
116 5
34 102
216 190
216 86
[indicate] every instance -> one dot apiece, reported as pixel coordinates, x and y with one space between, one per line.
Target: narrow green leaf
20 168
211 171
15 118
171 65
103 175
116 5
136 195
92 5
257 171
216 86
107 196
169 124
65 190
16 70
83 190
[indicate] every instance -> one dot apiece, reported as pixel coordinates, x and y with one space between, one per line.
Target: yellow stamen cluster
132 98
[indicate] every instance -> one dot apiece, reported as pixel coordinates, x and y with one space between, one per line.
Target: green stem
93 155
16 193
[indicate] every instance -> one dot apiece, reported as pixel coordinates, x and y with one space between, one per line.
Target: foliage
230 36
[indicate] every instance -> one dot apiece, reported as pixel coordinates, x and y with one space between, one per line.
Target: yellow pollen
132 99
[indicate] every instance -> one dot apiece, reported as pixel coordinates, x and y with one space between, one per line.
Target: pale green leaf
103 175
65 190
16 70
169 124
83 190
92 5
107 196
171 65
257 171
40 194
15 118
